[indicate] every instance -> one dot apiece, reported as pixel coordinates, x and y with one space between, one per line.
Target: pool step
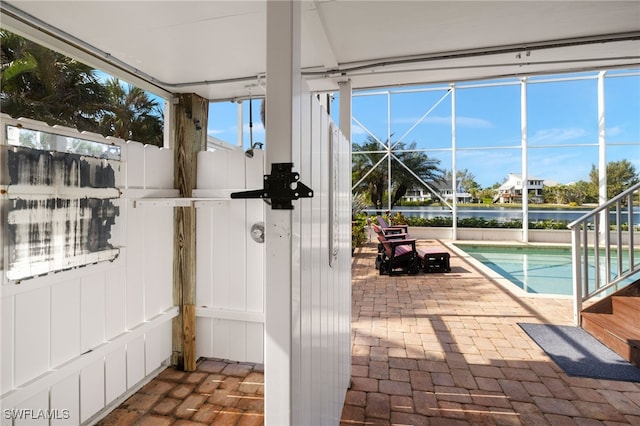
622 338
627 307
615 321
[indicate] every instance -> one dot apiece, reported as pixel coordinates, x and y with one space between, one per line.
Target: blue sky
562 124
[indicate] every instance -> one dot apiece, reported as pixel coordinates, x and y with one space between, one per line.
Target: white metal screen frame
387 149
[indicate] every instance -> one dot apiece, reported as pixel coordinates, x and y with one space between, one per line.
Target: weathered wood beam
190 127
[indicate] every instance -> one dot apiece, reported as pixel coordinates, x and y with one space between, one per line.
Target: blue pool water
536 269
542 270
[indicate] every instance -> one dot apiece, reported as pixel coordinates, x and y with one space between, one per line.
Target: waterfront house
511 190
444 190
418 194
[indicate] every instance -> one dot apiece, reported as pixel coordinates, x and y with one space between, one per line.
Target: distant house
416 194
511 190
444 189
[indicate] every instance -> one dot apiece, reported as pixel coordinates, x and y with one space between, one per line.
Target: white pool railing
596 241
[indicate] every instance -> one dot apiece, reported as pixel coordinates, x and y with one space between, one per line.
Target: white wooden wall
78 340
229 263
321 286
230 282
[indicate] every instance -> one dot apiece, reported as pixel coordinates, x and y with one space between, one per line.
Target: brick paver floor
429 349
446 349
218 393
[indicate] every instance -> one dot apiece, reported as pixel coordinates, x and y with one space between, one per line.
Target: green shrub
437 221
549 224
472 222
358 233
397 219
414 203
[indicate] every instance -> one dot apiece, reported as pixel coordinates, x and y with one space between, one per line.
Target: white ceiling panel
218 48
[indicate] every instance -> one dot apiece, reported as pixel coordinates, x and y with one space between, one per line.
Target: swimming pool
538 270
534 269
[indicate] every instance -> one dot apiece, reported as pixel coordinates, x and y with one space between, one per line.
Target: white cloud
614 131
357 130
563 165
553 136
446 120
478 123
258 128
490 166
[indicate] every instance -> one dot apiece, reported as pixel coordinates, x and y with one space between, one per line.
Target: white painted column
169 111
525 159
282 132
240 118
346 114
389 151
602 161
345 108
602 143
454 170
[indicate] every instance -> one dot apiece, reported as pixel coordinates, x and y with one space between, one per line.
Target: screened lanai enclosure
502 129
119 259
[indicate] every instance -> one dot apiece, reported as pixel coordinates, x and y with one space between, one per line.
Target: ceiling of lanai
218 48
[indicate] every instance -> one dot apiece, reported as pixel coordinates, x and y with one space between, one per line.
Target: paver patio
429 349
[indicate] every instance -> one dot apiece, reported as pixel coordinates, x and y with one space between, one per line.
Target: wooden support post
190 124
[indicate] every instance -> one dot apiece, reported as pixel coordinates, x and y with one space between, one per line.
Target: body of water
501 214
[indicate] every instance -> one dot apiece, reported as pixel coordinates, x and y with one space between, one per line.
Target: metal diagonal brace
278 187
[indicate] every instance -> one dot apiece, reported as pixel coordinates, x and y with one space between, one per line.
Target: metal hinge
279 187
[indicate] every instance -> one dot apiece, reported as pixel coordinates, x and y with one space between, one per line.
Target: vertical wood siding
78 340
229 269
321 287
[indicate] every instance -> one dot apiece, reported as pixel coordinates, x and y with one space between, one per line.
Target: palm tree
44 85
132 114
368 172
408 169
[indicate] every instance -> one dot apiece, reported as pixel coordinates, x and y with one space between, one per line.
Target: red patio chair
395 251
429 259
392 228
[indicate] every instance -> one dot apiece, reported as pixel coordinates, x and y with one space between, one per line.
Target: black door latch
279 187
